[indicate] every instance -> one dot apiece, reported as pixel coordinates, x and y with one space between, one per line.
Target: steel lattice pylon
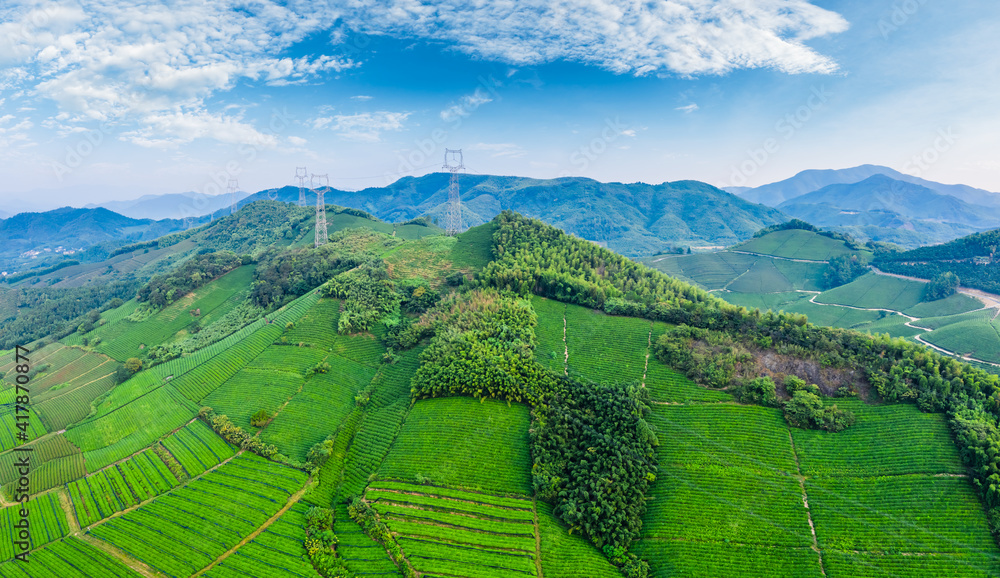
301 174
453 163
234 185
324 182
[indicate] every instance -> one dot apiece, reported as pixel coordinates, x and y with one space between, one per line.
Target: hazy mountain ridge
170 206
634 218
774 194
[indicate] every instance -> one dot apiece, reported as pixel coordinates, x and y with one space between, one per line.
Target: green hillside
631 218
761 274
513 401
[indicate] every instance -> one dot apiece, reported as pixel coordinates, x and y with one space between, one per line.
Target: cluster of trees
39 272
958 257
483 346
321 544
844 269
240 316
594 459
365 516
897 369
804 226
721 360
284 274
368 293
236 435
941 286
787 226
259 226
55 312
592 447
532 257
163 290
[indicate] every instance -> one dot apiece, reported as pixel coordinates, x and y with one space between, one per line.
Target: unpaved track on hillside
989 300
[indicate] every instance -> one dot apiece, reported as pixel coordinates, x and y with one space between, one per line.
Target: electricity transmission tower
323 182
453 162
301 175
234 185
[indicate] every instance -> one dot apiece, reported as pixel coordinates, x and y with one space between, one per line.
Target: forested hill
973 259
633 219
75 229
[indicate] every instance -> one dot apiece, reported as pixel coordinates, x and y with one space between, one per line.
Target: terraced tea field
444 531
796 244
125 338
604 347
275 552
462 442
70 557
221 508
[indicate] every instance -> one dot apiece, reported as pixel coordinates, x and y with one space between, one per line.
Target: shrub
805 410
760 391
260 418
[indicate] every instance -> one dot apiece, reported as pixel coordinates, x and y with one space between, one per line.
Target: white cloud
297 141
466 105
509 150
362 97
687 108
154 65
688 37
365 126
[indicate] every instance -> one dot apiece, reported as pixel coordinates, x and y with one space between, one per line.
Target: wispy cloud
365 127
688 37
362 97
687 108
466 105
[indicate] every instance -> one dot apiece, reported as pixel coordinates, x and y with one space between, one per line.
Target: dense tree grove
844 269
283 274
972 259
40 272
594 459
368 295
787 226
258 227
163 290
592 446
532 257
897 369
37 313
941 286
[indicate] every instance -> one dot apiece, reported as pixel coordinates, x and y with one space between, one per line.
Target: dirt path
292 500
122 557
538 539
805 503
778 258
989 300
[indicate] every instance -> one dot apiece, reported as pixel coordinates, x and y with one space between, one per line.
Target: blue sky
105 100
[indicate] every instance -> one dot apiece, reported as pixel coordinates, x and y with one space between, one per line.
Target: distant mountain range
633 219
171 206
75 229
774 194
872 202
